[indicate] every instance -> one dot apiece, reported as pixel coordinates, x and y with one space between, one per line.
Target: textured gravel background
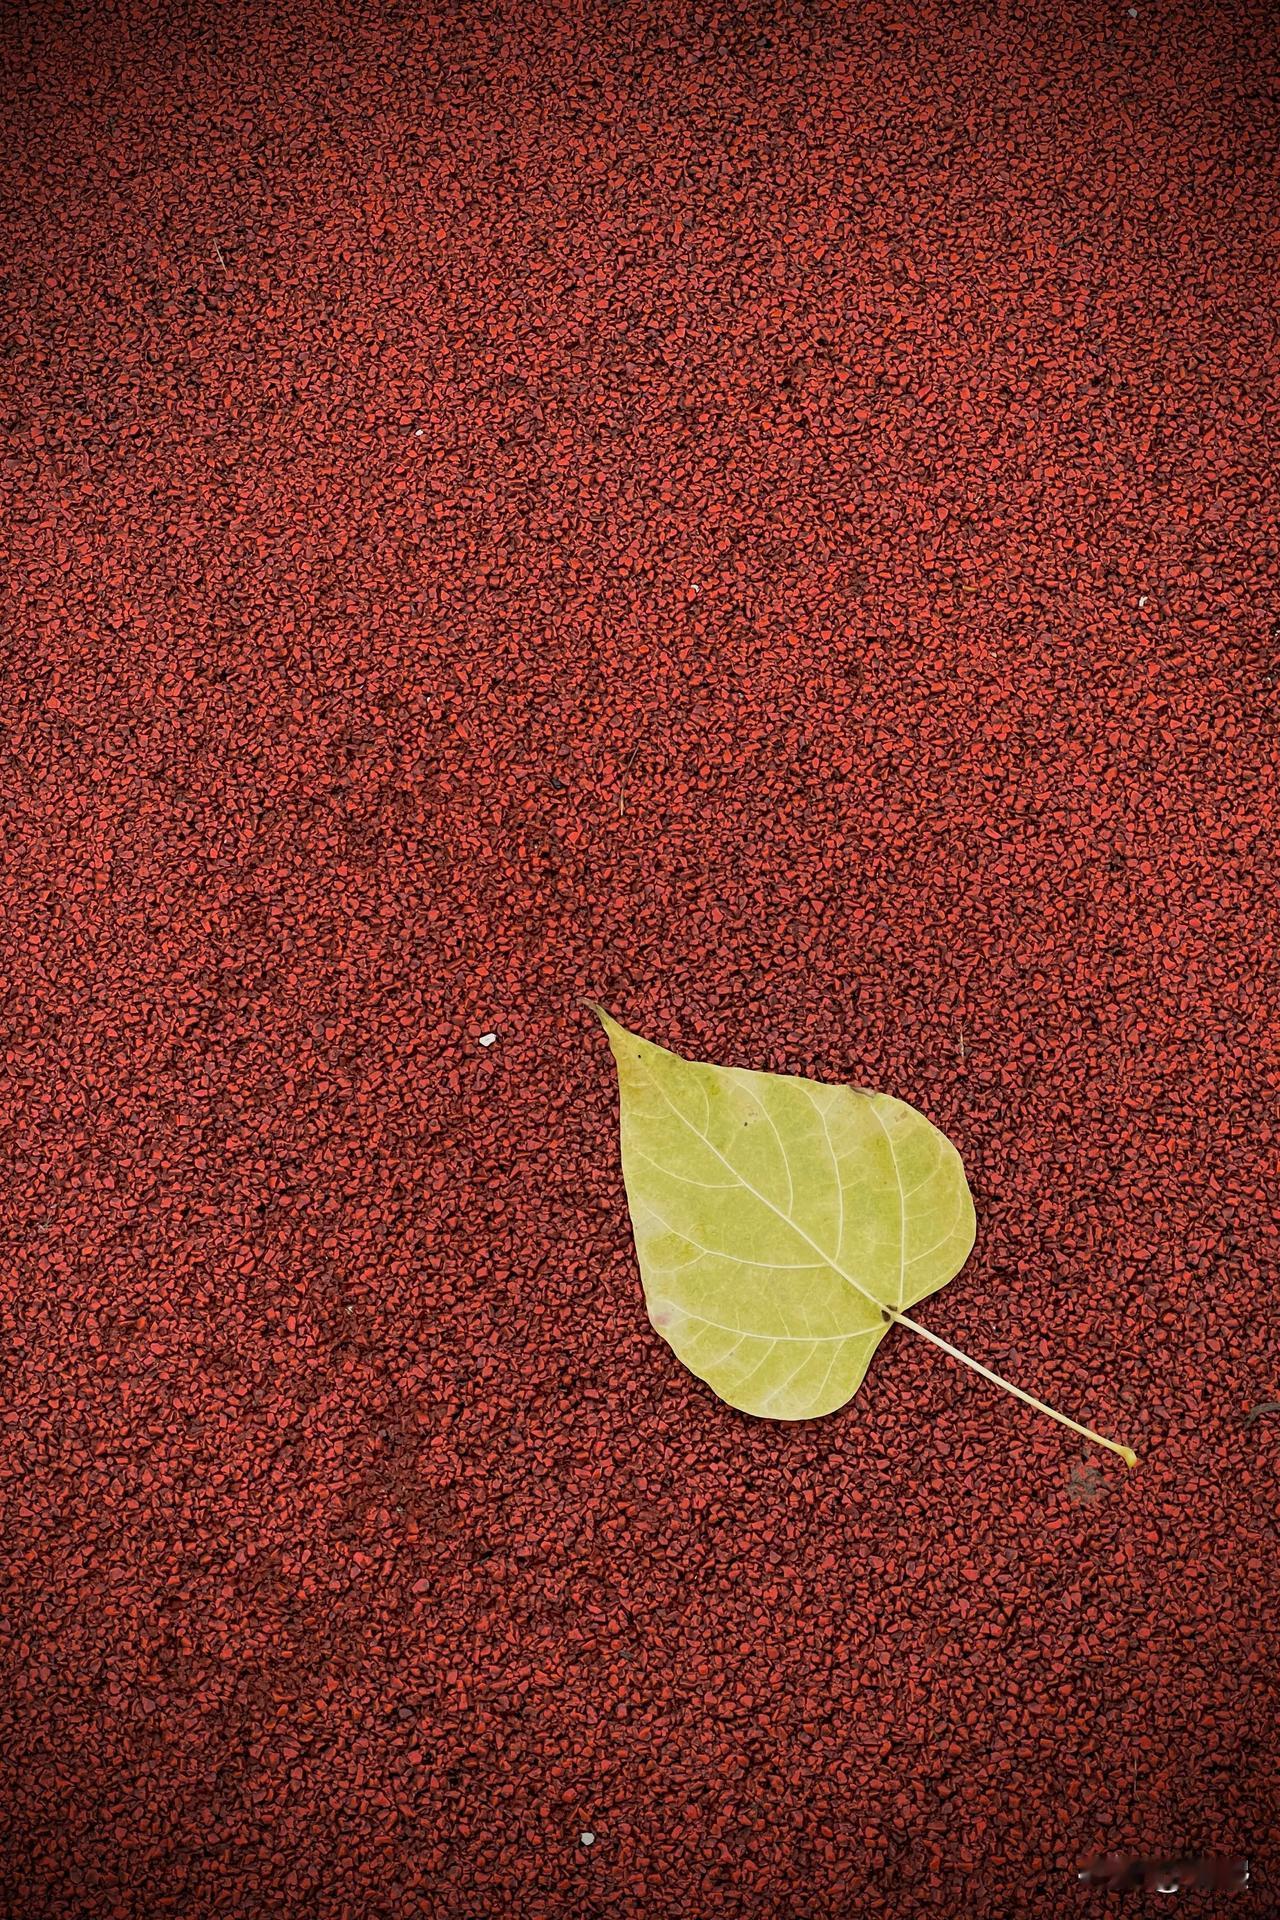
766 518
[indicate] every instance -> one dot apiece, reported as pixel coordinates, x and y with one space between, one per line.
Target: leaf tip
615 1032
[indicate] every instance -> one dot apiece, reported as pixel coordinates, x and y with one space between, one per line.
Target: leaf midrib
764 1199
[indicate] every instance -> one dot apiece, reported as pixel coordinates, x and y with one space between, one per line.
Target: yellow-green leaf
775 1218
783 1225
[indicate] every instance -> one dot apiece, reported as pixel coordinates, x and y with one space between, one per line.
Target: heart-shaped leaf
783 1226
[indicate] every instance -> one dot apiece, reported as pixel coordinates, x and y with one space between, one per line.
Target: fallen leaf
783 1225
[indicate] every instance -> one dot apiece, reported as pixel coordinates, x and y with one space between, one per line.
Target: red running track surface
764 517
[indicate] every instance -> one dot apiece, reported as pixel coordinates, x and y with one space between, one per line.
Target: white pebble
1142 599
587 1839
487 1039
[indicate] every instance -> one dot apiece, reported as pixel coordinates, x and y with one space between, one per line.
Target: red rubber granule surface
765 517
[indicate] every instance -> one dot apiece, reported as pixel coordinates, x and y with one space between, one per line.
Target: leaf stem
1127 1454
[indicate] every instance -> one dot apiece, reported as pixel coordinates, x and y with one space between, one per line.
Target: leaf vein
782 1386
734 1259
750 1091
835 1168
902 1206
796 1228
669 1173
955 1221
